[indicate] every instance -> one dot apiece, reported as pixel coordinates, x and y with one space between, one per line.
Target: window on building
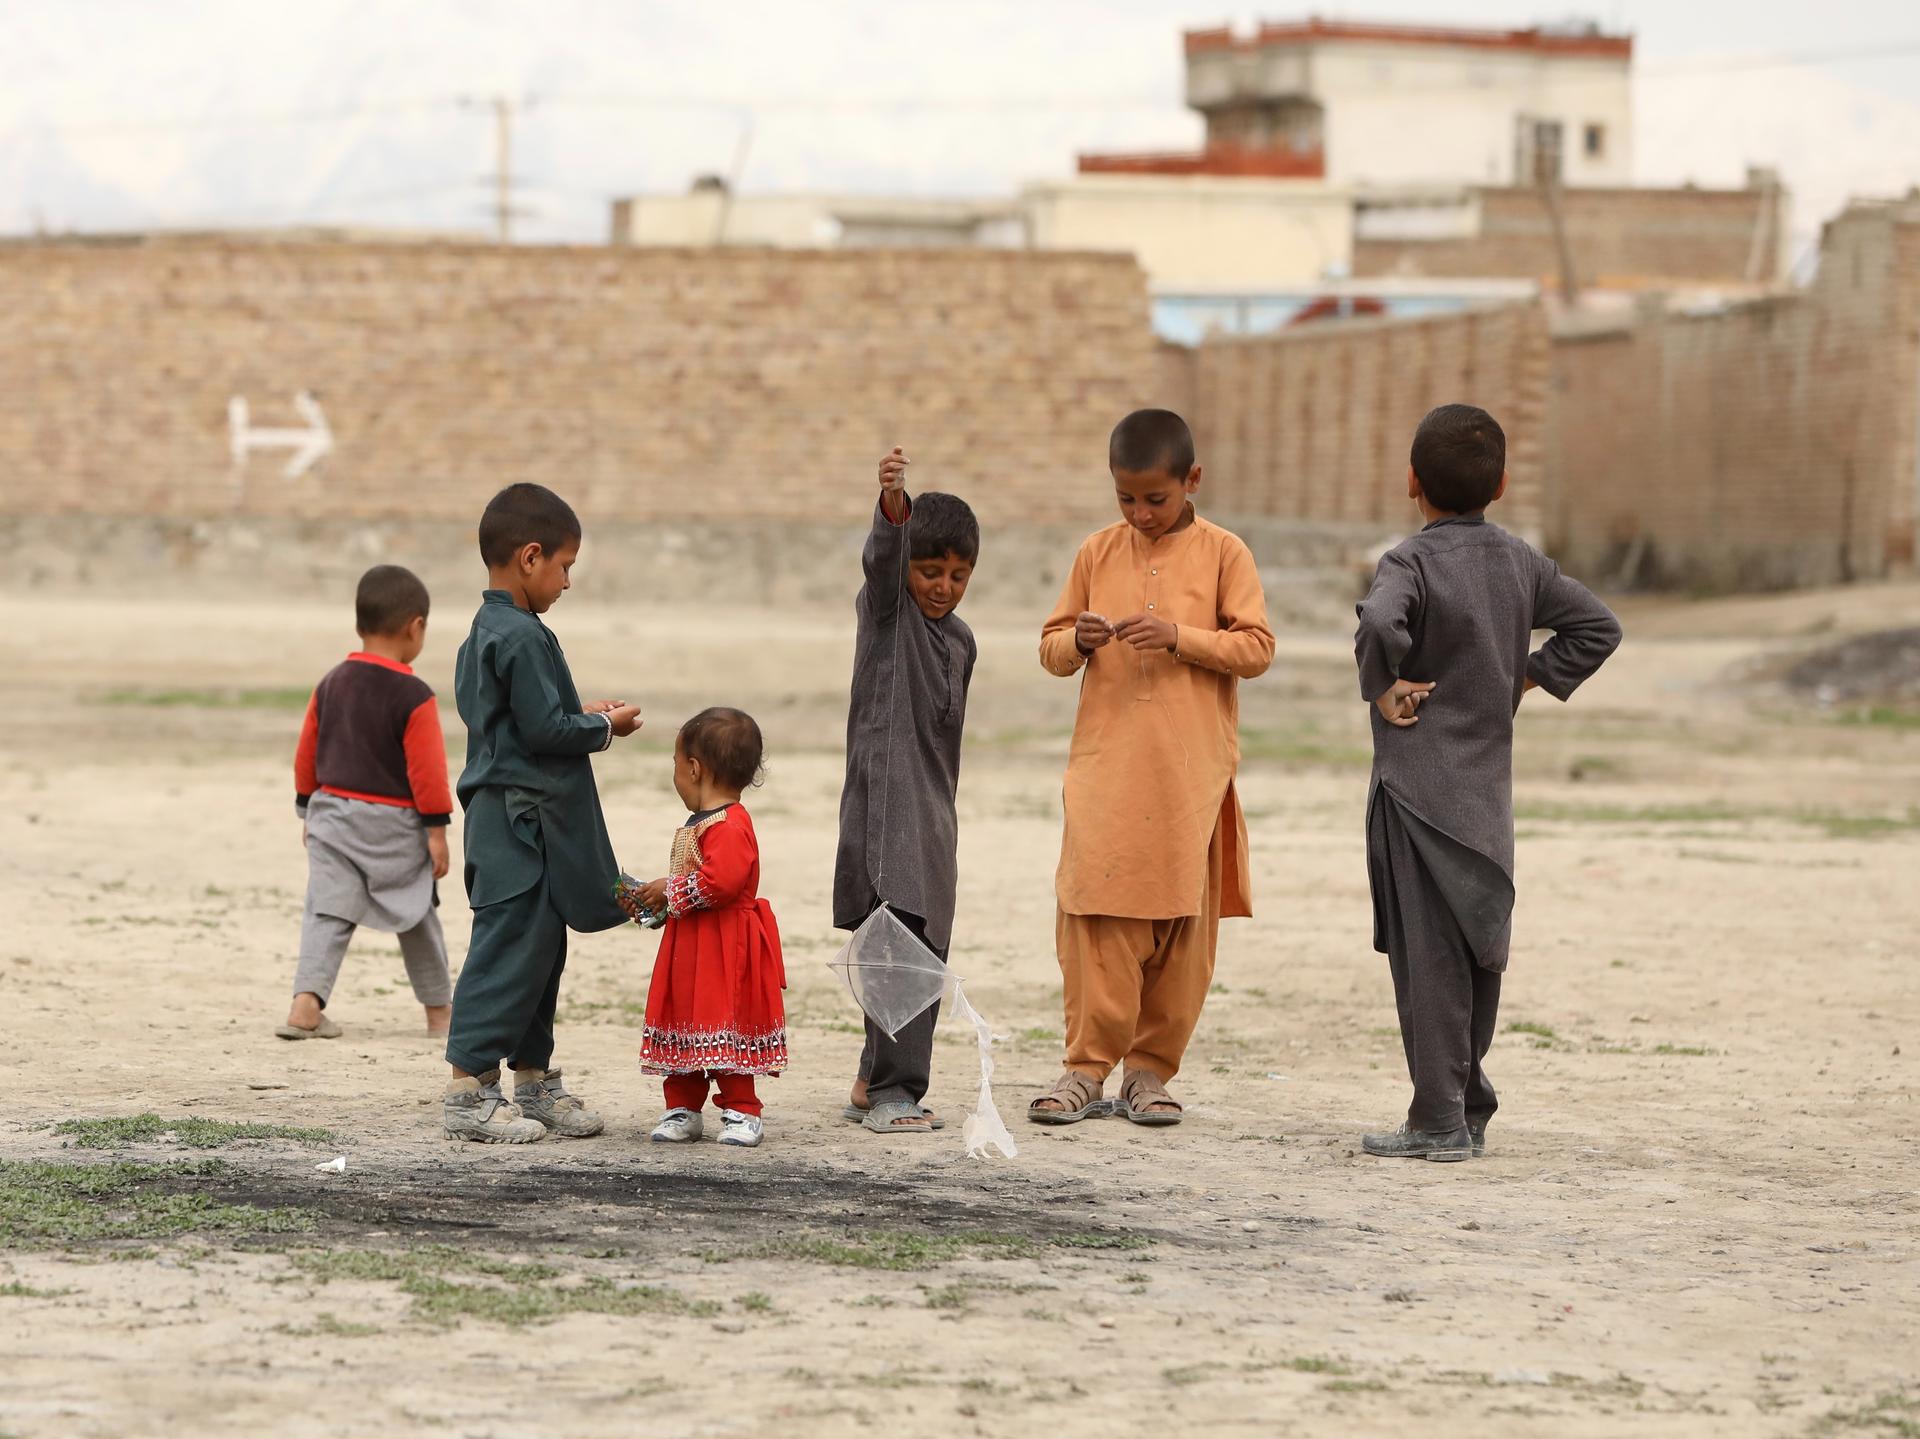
1596 142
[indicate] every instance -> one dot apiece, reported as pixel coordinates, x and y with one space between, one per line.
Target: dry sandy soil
1699 1214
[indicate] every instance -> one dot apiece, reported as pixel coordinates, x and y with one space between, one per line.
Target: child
370 782
538 858
1154 853
1442 649
713 1011
912 662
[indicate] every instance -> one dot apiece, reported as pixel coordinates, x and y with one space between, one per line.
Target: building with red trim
1383 104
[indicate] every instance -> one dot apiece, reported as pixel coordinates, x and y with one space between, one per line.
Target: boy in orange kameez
1155 849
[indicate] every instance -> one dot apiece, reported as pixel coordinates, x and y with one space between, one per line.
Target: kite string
900 596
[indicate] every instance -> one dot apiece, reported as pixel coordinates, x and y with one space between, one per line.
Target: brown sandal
1078 1096
1140 1091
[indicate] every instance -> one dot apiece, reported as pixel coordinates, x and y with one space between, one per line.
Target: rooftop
1578 39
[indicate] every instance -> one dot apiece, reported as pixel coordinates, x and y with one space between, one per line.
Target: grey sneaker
475 1109
1405 1143
679 1126
740 1130
540 1095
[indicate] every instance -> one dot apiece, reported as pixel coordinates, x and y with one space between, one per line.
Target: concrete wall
1313 424
643 384
1619 238
1201 231
1766 445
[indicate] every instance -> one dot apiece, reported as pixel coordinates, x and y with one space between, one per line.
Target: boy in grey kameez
1443 651
912 662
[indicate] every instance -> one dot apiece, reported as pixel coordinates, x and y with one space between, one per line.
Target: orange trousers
1135 987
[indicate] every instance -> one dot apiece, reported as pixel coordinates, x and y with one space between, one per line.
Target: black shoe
1405 1143
1478 1133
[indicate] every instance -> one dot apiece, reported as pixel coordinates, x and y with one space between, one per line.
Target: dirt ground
1700 1213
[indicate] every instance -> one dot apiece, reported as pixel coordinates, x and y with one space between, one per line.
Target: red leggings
732 1091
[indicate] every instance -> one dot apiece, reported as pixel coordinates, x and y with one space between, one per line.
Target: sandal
854 1114
885 1118
325 1029
1078 1096
1139 1091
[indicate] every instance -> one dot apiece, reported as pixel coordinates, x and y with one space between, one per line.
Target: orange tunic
1156 738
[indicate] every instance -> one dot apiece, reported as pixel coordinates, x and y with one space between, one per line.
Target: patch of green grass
1895 1412
122 1131
874 1301
327 1326
1316 1364
50 1204
1523 1026
1303 748
1038 1034
754 1302
1695 1050
212 697
520 1292
14 1289
950 1296
890 1249
1630 814
1187 1374
1862 826
1881 717
1353 1386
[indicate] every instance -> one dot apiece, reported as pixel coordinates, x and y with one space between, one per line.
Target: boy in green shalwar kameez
538 860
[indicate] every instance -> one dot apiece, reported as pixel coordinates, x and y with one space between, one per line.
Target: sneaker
740 1130
679 1126
475 1109
540 1095
1406 1143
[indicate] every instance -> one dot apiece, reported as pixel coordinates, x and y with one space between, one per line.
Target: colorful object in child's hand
626 894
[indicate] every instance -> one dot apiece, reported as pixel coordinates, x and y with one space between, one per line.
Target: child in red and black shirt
370 782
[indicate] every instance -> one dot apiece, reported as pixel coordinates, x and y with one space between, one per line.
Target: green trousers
510 985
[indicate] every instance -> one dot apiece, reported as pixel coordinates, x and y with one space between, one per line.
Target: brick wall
1768 444
1619 238
640 383
1314 423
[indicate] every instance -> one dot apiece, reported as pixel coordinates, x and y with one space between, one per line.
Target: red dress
715 1000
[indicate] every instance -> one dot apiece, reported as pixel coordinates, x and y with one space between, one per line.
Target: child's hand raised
893 469
1090 631
1398 705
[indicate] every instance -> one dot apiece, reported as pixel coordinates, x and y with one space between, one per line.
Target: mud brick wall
1765 445
1618 238
1314 423
640 383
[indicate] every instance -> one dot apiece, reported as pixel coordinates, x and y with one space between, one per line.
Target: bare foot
439 1019
306 1012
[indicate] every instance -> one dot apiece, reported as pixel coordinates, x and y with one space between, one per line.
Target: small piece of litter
1272 1075
1521 1376
266 1086
335 1165
1107 1321
1250 1226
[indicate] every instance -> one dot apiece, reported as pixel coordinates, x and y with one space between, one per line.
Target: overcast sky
131 113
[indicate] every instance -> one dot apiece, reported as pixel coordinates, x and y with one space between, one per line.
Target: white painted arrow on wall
309 446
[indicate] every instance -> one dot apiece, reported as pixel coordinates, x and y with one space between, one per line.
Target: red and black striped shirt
373 733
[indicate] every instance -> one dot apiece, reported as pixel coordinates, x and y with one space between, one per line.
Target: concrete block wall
1314 424
1765 445
640 383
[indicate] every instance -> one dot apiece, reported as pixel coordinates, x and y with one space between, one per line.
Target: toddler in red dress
714 1014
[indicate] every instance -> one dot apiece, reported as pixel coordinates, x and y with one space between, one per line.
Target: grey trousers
323 945
899 1069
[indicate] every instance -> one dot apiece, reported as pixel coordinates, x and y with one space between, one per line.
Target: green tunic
531 806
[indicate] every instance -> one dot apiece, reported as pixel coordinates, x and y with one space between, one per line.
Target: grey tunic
898 831
1457 604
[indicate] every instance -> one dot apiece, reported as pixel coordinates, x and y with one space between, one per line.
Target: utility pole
503 169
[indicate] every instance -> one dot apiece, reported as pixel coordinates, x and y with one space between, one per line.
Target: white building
1386 104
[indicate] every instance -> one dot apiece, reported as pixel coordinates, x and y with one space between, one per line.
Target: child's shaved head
1151 441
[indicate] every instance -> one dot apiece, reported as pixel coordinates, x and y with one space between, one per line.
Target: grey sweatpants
323 945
